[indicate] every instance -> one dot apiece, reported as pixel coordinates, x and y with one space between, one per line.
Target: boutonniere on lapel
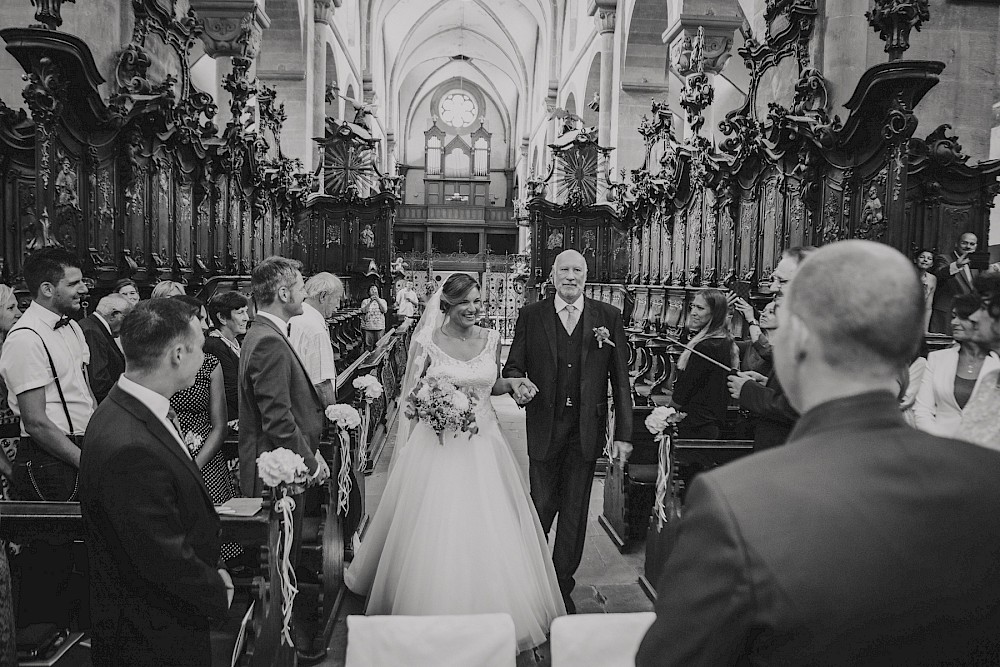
193 442
603 336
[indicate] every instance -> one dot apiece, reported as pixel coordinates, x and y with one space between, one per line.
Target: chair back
598 640
485 640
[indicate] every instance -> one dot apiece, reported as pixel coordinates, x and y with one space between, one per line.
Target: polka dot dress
192 406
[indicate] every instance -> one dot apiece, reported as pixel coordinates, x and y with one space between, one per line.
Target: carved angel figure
368 236
66 186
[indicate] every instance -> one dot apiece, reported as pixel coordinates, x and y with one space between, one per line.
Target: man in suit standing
279 406
559 345
107 362
763 397
955 276
152 532
860 542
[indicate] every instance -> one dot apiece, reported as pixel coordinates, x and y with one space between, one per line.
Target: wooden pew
22 522
688 458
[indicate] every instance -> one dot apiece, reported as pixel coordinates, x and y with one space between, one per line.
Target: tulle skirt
456 533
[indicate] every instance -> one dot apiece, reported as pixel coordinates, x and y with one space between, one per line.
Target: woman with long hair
952 375
166 288
700 388
455 531
924 261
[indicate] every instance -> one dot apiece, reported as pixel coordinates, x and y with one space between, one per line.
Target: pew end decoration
442 406
286 472
344 418
368 389
662 423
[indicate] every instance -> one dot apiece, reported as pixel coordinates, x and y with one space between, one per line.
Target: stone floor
607 581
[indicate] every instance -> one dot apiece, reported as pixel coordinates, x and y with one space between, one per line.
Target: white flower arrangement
603 337
193 442
344 416
442 406
369 387
662 416
282 466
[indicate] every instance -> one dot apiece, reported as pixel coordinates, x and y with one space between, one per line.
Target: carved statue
399 267
368 236
555 239
66 186
872 218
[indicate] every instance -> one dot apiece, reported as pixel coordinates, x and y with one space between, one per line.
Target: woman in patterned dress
201 411
373 310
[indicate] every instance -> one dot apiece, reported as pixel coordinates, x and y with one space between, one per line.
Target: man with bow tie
44 366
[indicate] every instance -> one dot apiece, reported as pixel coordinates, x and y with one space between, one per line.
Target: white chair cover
598 640
484 640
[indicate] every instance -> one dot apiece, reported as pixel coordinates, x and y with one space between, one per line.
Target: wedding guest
107 362
860 542
700 387
954 276
201 413
10 425
910 380
928 281
981 416
373 311
151 531
128 289
310 335
279 406
755 352
953 374
406 302
772 414
227 313
166 288
43 365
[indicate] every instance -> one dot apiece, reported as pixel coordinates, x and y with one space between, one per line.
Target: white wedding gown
455 531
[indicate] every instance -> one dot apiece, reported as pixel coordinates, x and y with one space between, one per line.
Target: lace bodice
478 374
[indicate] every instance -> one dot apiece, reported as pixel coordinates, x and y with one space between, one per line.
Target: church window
458 109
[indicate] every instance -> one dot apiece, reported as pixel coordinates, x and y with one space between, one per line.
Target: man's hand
621 450
963 259
737 381
322 470
523 390
756 377
228 581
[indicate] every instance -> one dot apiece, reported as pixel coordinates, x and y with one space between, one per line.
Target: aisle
606 580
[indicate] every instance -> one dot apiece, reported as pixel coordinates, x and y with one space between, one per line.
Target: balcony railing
418 213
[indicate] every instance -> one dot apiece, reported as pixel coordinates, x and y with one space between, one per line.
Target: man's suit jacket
153 539
949 286
533 355
773 416
107 362
860 542
279 406
936 410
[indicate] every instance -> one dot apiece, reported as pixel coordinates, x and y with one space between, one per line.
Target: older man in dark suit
107 362
860 542
152 531
955 276
570 347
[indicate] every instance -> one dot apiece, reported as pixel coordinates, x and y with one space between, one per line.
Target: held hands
523 390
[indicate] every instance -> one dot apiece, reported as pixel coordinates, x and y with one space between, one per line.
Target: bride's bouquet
442 406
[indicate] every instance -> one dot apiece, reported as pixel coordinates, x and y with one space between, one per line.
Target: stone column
232 28
604 13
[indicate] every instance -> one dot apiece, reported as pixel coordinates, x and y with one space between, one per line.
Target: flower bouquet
442 406
661 423
285 471
368 389
344 417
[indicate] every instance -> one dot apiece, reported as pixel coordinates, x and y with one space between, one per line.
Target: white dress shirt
158 404
278 322
24 366
561 309
310 338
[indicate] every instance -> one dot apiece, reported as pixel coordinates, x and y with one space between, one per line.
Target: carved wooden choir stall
787 174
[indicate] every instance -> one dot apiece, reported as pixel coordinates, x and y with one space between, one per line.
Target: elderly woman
166 288
700 388
951 375
228 314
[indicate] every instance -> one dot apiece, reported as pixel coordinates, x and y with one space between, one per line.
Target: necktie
570 322
63 321
172 416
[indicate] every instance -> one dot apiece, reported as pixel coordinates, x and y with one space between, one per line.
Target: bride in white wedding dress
455 531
